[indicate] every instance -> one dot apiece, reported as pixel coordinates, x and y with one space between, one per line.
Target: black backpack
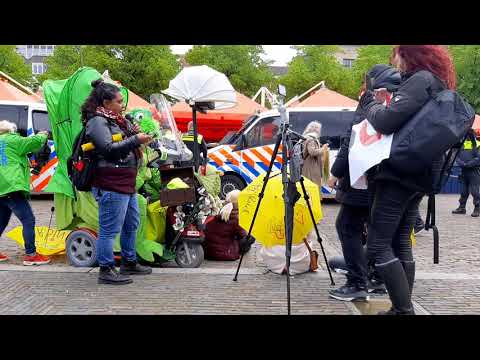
81 165
431 140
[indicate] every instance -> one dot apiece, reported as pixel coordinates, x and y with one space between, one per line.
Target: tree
143 69
315 63
368 56
242 64
467 65
13 65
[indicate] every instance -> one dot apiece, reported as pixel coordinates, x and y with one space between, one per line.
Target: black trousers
350 224
471 185
392 216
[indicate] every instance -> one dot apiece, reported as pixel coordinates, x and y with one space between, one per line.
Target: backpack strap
430 224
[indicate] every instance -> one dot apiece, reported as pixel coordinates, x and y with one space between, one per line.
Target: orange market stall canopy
11 90
325 97
217 123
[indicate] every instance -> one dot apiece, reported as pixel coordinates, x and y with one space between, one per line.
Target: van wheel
229 183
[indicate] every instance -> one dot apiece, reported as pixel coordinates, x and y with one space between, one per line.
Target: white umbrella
202 84
199 84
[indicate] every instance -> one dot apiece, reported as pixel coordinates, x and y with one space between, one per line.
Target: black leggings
350 223
392 217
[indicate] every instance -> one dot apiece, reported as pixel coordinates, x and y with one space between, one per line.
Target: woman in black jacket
397 195
117 146
355 203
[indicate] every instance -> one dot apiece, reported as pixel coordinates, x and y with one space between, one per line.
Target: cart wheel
189 255
81 248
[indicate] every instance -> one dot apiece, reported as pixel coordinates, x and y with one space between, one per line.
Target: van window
264 132
40 121
17 114
334 124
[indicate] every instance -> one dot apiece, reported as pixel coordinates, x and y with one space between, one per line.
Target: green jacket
14 165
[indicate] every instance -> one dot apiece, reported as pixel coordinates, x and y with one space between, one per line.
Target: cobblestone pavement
451 287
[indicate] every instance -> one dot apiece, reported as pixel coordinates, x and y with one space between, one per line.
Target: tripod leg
260 197
307 200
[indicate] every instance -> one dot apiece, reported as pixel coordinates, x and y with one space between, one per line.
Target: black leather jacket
112 154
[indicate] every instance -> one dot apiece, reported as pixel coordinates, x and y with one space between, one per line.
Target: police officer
188 139
15 186
469 161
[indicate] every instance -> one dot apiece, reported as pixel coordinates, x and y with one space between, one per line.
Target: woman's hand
332 181
136 128
144 138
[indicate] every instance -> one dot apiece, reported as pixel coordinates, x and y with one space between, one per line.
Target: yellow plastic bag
47 241
413 240
156 222
177 183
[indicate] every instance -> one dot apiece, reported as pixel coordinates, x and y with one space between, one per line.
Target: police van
31 117
244 155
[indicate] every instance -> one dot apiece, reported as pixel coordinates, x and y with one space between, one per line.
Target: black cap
383 76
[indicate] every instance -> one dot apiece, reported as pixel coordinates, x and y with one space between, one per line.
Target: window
334 124
16 114
264 132
49 50
38 68
348 63
40 121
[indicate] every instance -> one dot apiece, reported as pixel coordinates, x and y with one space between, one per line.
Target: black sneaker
460 210
376 287
111 276
476 212
134 268
349 292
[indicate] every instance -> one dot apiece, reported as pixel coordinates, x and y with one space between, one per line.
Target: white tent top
196 84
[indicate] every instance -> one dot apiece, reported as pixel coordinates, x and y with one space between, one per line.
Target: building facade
35 55
347 55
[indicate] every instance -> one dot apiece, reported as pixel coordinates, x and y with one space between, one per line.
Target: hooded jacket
14 165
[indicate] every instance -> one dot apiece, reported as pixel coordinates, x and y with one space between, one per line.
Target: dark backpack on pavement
81 165
431 139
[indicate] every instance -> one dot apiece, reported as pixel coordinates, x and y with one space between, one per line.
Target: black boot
409 268
398 289
460 210
134 268
476 211
110 275
375 284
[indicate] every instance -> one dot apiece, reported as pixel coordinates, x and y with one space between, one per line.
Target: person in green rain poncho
15 186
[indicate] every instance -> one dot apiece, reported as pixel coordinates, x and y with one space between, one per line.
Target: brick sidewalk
451 287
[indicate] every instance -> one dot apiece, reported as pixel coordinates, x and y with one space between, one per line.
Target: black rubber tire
196 252
231 182
81 249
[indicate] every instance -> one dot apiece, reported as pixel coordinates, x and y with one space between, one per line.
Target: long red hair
433 58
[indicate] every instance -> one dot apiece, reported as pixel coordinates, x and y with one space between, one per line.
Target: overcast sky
281 54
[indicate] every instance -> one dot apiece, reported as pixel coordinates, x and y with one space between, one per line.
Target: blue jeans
117 213
17 204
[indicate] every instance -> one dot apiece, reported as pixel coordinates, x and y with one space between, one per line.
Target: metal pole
196 156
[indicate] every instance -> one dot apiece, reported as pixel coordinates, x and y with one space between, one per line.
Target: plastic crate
178 196
453 184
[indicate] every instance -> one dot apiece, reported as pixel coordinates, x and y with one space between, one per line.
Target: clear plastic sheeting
169 145
202 84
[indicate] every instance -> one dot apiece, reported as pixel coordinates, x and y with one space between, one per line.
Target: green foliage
368 56
13 65
312 64
467 64
142 69
242 64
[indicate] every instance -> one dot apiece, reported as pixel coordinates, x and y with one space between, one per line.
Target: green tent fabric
64 99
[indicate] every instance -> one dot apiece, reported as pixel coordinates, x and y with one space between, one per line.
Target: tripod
290 194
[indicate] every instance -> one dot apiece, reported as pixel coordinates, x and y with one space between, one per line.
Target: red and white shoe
37 259
3 257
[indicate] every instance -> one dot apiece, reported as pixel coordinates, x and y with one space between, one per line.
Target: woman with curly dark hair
114 180
426 71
